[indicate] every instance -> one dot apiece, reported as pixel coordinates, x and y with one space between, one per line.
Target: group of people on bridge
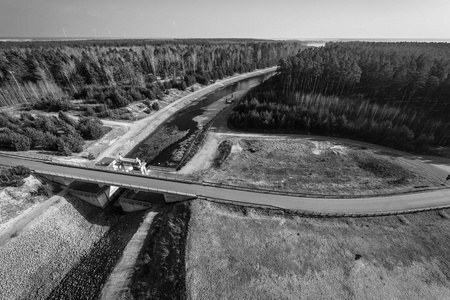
127 165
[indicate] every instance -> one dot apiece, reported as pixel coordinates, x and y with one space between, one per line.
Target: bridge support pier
95 194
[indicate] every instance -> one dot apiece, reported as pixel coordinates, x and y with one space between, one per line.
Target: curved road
369 205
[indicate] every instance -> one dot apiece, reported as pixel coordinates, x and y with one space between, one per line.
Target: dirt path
115 287
18 225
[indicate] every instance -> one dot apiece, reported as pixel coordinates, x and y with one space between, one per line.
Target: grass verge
160 270
245 253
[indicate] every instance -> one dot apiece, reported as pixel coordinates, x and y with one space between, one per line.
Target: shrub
155 105
14 176
63 148
224 150
44 190
20 142
89 111
65 118
90 128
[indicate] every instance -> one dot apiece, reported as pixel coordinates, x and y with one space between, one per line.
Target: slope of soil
317 167
244 253
69 250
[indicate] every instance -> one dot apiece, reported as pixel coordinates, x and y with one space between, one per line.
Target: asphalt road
424 200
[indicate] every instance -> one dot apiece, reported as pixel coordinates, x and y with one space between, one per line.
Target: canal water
166 145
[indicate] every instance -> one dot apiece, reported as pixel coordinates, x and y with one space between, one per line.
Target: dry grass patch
242 253
316 167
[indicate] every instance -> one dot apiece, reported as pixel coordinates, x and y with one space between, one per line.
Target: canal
167 144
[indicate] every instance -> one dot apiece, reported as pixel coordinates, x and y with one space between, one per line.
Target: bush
14 176
224 150
21 171
155 105
89 111
20 142
65 118
53 105
90 128
45 190
63 148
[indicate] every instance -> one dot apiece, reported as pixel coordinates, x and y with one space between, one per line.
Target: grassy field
244 253
317 167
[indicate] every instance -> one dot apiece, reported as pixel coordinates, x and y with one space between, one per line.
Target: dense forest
51 133
117 72
395 94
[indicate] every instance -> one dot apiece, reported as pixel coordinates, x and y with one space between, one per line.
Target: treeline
403 74
51 133
125 70
329 115
353 102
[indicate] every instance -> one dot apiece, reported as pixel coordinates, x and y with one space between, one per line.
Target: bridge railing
152 173
157 174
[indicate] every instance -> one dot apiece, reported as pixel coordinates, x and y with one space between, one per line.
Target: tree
155 105
65 118
20 142
63 148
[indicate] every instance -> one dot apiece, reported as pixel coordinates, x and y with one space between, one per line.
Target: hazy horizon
284 19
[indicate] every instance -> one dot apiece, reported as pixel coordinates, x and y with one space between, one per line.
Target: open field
68 250
244 253
316 167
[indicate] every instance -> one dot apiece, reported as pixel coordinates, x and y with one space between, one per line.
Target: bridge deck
366 205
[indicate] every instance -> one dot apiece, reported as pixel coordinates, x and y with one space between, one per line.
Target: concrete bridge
182 189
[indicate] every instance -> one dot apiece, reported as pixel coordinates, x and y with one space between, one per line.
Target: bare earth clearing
315 167
244 253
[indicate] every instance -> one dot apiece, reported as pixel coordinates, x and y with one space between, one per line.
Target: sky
268 19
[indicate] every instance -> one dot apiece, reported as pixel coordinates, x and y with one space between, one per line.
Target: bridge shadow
107 216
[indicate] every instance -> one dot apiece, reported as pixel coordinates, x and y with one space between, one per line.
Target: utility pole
18 86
